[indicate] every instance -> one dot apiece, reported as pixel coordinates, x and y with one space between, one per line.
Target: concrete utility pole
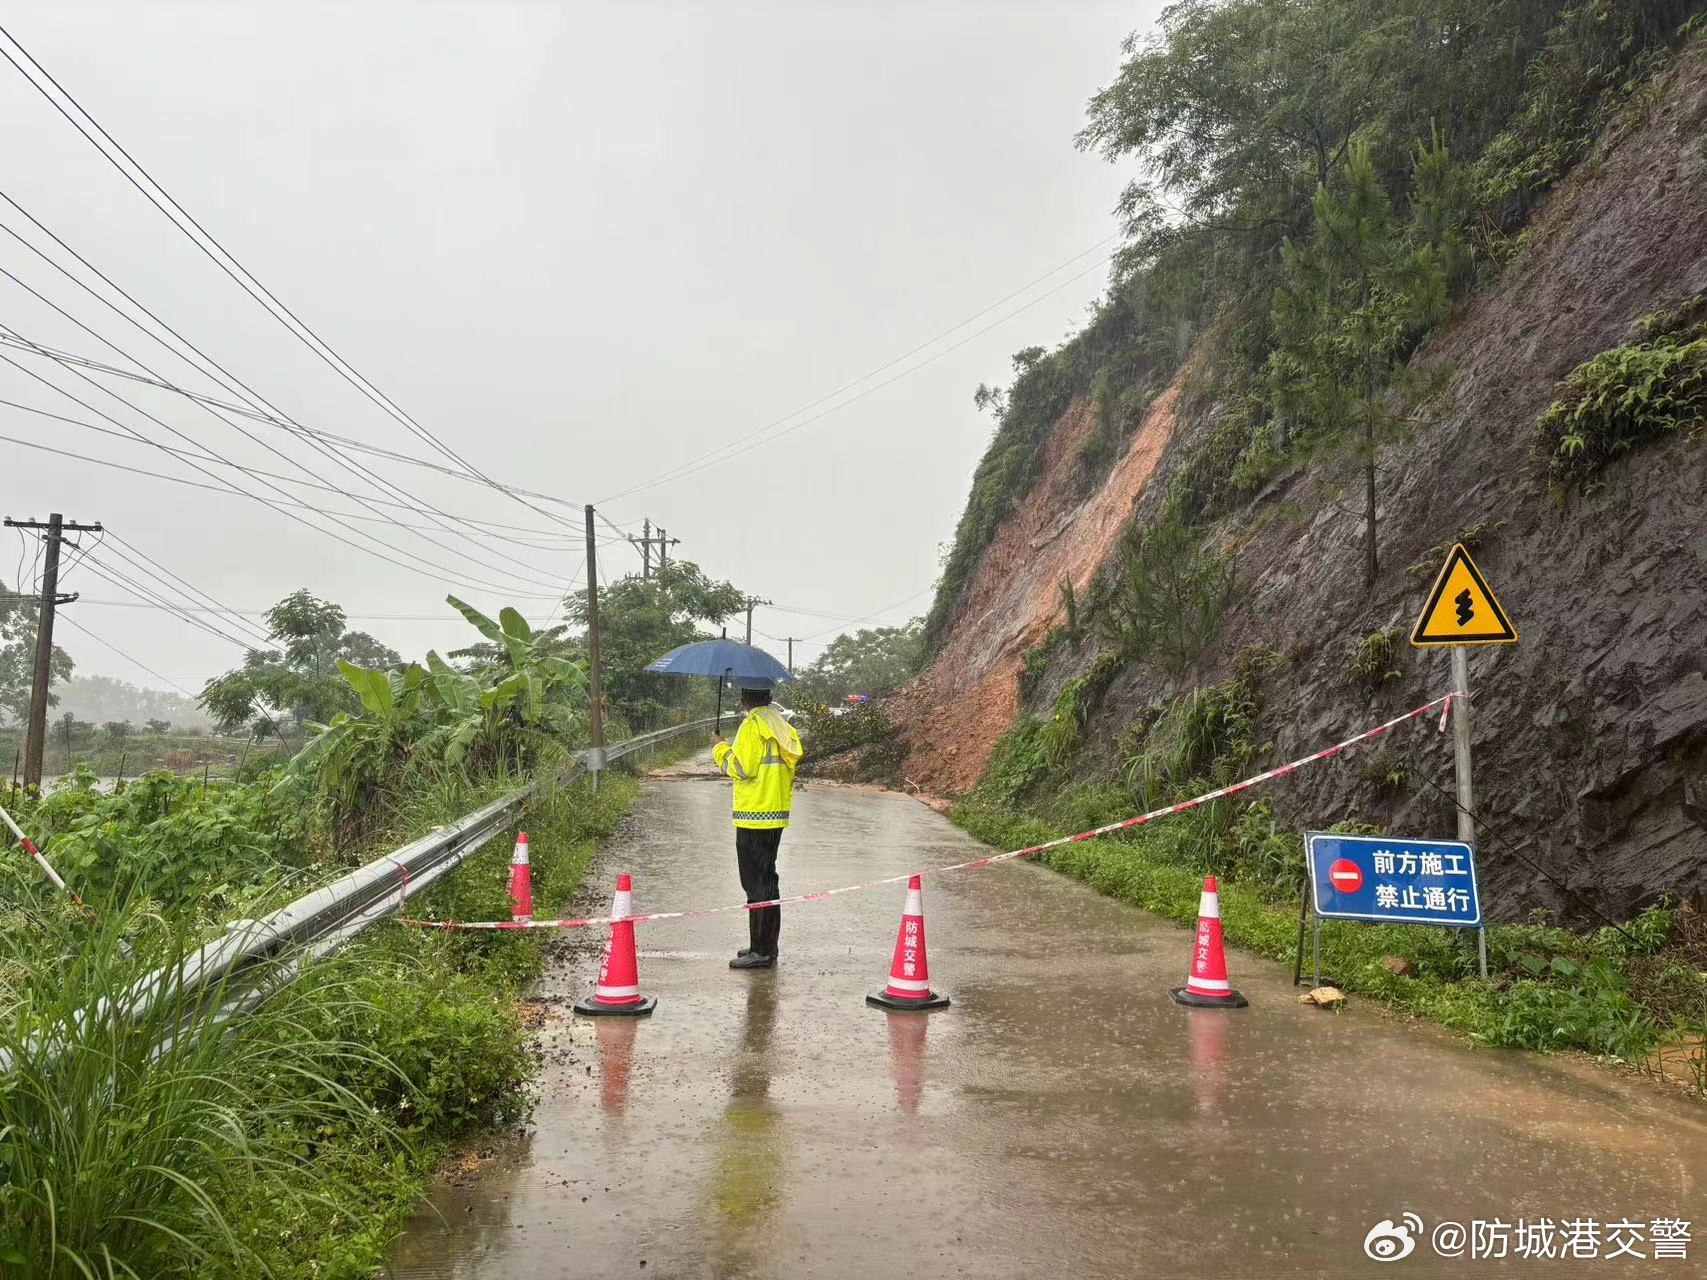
36 739
751 601
791 655
595 674
647 542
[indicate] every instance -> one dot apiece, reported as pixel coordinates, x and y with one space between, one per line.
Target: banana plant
352 752
539 692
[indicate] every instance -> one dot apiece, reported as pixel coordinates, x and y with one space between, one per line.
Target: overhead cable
154 193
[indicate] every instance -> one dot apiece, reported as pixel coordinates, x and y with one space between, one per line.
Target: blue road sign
1399 881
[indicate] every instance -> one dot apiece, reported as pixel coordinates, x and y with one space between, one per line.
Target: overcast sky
580 245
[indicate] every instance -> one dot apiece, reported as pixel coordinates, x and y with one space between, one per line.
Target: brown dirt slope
1591 733
956 710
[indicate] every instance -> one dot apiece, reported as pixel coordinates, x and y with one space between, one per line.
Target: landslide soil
956 710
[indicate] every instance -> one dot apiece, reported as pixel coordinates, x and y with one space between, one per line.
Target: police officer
762 762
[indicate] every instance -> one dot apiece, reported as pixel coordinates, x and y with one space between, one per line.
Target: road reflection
747 1174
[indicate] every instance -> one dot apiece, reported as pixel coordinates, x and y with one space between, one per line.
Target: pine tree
1353 299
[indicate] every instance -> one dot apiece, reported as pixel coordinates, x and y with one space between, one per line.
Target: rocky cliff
1591 733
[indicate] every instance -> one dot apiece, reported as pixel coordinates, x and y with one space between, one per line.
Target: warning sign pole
1461 761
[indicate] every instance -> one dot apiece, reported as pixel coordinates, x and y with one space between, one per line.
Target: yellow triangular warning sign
1461 609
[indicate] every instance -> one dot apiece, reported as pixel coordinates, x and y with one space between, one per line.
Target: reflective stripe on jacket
762 761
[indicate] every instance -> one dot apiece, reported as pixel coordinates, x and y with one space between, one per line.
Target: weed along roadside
362 1071
1636 993
278 1119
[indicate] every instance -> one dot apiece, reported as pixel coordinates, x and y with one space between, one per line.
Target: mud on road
1062 1117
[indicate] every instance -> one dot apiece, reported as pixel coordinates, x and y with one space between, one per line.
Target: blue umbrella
721 659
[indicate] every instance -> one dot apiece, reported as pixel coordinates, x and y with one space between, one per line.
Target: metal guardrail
320 922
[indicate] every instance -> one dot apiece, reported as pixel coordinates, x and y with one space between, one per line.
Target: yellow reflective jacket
762 762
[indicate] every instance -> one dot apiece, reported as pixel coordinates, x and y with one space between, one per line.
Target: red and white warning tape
44 864
1444 702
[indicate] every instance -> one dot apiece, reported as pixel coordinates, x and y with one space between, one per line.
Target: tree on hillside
641 619
1241 109
1353 299
18 656
873 660
301 676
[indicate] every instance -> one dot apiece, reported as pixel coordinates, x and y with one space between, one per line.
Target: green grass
295 1145
1619 993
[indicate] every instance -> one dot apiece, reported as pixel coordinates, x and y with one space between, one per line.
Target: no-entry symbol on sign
1346 876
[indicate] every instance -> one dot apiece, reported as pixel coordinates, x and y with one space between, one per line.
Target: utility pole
36 740
751 601
791 655
647 542
594 672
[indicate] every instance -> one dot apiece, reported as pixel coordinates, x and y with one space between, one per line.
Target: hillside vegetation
1398 275
1320 179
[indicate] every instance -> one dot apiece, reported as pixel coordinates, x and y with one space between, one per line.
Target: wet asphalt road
1061 1118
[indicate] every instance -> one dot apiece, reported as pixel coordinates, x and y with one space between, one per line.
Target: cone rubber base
883 1000
1191 1000
593 1009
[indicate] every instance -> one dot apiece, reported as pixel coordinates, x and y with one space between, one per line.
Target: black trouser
755 851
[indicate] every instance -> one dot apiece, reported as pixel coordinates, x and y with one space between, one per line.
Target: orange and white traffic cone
1207 987
521 882
618 990
909 973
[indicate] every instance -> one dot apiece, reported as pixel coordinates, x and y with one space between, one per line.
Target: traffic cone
909 974
1207 987
618 990
521 882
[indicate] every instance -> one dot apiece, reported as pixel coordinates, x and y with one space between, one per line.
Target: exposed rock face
1591 732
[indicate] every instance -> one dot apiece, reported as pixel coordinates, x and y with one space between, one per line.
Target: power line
220 375
37 349
281 423
249 471
694 464
876 613
413 568
254 613
228 263
135 662
141 561
212 406
117 578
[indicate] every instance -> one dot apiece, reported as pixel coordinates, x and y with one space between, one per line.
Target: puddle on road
1062 1117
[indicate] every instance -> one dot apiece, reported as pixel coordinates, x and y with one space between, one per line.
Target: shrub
1588 1009
1375 658
1629 395
1167 599
1017 764
823 734
1198 742
166 838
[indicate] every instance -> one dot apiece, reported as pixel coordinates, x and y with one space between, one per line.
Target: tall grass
126 1135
